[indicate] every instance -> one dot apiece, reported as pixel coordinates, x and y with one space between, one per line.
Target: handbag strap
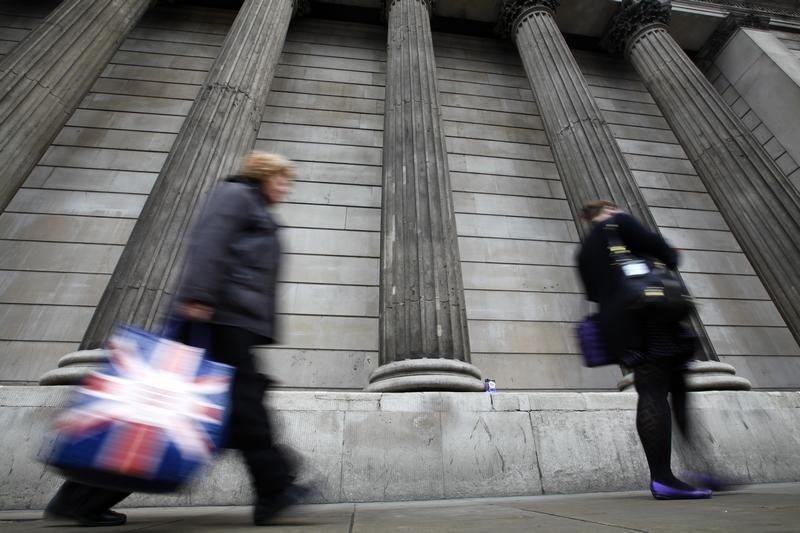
619 252
616 248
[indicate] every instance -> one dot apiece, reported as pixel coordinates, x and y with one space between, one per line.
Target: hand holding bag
647 285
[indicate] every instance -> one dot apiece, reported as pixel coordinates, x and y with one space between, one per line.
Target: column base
702 376
75 366
414 375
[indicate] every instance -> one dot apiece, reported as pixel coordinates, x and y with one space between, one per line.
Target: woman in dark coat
230 281
656 349
229 284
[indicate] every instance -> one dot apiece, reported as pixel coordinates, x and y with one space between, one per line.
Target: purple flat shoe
665 492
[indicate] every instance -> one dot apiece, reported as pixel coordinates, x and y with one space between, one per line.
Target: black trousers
250 429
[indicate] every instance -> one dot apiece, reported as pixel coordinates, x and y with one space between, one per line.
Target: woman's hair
593 208
261 166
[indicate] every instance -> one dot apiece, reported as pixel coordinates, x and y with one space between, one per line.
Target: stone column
424 343
47 75
756 198
587 155
220 128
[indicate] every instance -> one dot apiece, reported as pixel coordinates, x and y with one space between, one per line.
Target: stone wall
516 234
758 75
418 446
790 40
325 111
62 234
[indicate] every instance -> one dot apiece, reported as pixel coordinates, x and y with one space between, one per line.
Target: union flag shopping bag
147 420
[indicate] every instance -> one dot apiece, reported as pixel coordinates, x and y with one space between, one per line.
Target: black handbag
647 285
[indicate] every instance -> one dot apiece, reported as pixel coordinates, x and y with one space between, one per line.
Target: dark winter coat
621 330
233 256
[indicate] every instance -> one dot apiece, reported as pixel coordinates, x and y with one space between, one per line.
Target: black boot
267 508
85 505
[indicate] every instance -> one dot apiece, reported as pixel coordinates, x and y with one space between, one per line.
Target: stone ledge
415 446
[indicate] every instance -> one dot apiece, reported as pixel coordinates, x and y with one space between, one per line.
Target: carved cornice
784 8
512 12
715 43
301 7
633 16
389 4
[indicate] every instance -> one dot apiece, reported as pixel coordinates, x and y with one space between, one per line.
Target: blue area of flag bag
149 418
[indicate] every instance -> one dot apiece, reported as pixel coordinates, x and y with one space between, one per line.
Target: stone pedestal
756 198
702 376
424 343
220 128
73 367
47 75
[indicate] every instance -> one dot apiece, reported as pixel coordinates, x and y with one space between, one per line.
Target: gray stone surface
63 229
44 77
725 286
26 361
753 60
753 340
328 332
62 201
76 203
739 175
59 257
741 511
43 322
318 369
509 227
525 371
382 447
51 287
208 148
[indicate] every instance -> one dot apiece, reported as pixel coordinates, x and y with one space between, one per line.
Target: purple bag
592 346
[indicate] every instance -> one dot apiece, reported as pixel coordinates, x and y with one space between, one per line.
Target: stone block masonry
417 446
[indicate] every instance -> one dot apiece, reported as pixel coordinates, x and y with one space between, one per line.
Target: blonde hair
261 166
593 208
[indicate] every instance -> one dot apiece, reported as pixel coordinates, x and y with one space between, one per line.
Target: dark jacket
232 260
601 279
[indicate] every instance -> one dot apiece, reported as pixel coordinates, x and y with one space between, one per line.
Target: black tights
654 379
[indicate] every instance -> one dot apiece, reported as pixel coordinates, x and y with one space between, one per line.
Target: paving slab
773 508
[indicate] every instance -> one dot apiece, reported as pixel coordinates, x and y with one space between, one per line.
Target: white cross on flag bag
147 420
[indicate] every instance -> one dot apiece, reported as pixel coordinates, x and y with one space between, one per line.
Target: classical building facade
443 148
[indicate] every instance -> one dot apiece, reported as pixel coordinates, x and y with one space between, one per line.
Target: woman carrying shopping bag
229 285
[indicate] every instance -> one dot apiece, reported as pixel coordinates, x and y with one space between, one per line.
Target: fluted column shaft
586 154
422 296
45 77
755 197
220 128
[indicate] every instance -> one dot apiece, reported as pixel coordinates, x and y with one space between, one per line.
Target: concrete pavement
758 508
